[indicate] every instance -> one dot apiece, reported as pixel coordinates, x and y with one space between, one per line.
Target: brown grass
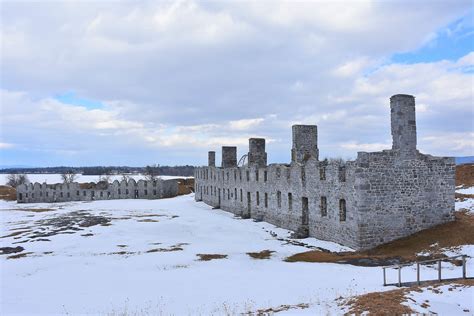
164 249
406 248
20 255
390 302
7 193
16 233
264 254
185 186
36 210
209 256
465 175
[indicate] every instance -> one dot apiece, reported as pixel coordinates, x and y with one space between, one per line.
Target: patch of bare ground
36 210
391 302
20 255
10 250
404 249
7 193
463 197
281 308
147 220
465 175
16 233
149 215
164 249
264 254
122 246
210 256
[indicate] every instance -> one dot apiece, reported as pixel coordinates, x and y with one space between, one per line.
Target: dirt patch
20 255
7 193
210 256
16 233
164 249
149 215
264 254
10 250
281 308
463 197
147 220
465 175
391 302
36 210
403 250
122 246
87 235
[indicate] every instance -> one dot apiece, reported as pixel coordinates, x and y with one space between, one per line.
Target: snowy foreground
139 257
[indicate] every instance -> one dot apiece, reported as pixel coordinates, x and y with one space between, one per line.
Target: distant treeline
184 171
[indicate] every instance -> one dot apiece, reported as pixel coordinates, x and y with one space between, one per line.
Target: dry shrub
209 256
7 193
264 254
404 249
172 248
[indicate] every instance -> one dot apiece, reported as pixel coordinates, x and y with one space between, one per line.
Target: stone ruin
64 192
374 199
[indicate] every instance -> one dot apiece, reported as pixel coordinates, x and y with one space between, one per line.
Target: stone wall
377 198
42 192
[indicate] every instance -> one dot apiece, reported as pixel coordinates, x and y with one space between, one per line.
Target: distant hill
466 159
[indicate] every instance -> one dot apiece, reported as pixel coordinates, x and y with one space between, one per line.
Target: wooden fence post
384 278
463 267
418 273
439 270
399 276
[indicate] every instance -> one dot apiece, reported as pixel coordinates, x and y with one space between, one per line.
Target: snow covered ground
51 178
139 257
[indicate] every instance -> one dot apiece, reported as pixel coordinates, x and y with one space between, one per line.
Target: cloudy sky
140 82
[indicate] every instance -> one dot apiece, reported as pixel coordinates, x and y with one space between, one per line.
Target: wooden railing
425 262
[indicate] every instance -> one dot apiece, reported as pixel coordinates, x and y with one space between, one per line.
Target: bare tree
69 176
15 180
105 177
151 172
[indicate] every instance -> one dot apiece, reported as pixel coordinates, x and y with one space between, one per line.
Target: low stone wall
60 192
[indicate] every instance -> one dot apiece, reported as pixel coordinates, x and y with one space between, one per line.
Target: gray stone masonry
257 155
229 157
49 193
211 156
305 143
377 198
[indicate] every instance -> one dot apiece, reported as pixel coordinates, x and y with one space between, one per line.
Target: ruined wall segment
211 156
377 198
50 193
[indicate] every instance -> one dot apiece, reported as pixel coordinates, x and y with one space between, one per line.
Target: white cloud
177 77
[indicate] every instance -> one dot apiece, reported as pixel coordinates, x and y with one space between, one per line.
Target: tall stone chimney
305 143
403 120
211 159
229 156
257 155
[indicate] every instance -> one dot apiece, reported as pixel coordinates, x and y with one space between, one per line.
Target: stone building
374 199
61 192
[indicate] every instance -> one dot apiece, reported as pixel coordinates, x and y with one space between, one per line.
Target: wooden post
463 267
418 273
439 270
399 276
384 278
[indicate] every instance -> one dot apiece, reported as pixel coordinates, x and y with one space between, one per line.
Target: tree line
183 171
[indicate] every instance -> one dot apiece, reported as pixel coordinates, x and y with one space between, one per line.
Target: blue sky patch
73 99
451 43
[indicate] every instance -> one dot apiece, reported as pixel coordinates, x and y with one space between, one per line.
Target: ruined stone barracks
65 192
377 198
